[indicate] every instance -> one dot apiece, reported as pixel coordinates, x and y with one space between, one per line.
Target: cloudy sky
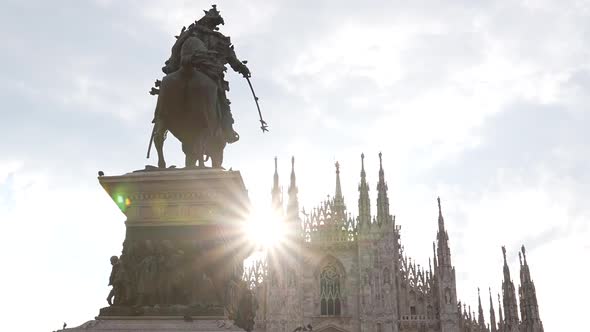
484 103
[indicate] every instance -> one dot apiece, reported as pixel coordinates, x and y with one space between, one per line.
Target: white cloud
9 167
54 240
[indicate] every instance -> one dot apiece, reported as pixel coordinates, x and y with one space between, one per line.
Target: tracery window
330 295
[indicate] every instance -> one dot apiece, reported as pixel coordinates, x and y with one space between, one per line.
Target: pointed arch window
330 296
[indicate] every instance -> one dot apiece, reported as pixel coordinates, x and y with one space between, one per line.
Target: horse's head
212 18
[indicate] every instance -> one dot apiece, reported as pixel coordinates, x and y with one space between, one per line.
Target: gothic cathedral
350 274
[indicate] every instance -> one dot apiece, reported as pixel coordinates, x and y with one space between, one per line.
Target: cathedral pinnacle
434 256
276 175
293 204
364 201
444 252
441 220
338 187
506 269
292 185
529 307
501 319
493 326
363 174
277 199
339 205
382 199
525 274
509 293
480 318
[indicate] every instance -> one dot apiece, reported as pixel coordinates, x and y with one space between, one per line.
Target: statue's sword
153 92
151 141
263 124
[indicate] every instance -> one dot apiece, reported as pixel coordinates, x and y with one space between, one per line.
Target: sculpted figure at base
245 311
192 102
147 276
119 281
163 277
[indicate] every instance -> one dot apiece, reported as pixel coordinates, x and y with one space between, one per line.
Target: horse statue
189 107
192 102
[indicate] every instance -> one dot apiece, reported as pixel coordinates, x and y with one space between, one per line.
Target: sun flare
265 229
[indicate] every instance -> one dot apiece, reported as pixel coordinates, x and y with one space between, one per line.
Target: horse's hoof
161 165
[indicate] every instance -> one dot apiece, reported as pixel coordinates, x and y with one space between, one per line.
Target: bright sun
265 229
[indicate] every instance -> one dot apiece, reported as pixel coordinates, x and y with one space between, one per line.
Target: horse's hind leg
196 150
200 151
217 155
190 160
159 138
189 155
201 159
217 159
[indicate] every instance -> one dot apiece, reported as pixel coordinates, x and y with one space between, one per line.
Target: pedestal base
157 324
183 252
175 310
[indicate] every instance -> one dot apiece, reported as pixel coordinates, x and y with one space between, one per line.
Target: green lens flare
122 202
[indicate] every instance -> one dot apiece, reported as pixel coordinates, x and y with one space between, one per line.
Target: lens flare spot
265 229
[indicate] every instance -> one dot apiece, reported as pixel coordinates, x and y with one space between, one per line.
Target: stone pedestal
179 197
157 324
181 264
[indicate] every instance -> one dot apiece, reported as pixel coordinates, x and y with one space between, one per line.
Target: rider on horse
220 52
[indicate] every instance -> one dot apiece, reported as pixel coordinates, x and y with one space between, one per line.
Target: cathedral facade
337 272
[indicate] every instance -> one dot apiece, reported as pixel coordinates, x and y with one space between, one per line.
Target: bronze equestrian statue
192 102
